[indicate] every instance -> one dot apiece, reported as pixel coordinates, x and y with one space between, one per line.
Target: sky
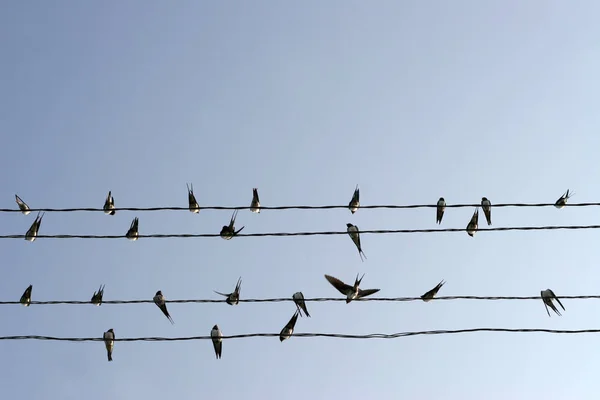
409 100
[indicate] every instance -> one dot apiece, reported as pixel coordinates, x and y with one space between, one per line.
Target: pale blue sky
410 100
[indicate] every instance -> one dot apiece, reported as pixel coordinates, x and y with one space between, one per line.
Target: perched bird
109 342
431 294
228 231
547 297
288 329
351 292
560 203
355 236
22 205
133 233
109 205
32 232
355 202
486 205
300 304
234 297
159 300
26 298
441 207
255 205
216 336
97 297
192 203
473 223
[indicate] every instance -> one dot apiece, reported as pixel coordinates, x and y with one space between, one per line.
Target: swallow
441 207
298 298
26 298
547 297
431 294
255 205
288 329
132 233
228 231
32 232
159 300
97 297
351 292
473 223
355 202
560 203
216 336
22 205
109 205
192 203
486 205
355 236
109 342
234 297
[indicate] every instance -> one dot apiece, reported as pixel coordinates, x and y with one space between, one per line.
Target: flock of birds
352 292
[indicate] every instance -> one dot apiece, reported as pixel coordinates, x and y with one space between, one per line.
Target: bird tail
109 356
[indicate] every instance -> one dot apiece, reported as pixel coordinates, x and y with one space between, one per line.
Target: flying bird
26 298
32 232
97 297
288 329
441 207
216 336
473 223
355 202
22 205
547 297
133 233
109 204
355 236
159 300
431 294
300 304
109 342
560 203
255 205
351 292
486 205
233 298
228 231
192 203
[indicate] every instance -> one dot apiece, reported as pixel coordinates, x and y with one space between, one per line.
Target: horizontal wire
327 335
317 299
325 233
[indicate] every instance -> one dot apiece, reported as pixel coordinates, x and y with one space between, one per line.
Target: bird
560 203
228 231
298 298
355 236
109 342
441 207
216 336
233 298
133 233
473 223
431 294
159 300
255 205
32 232
97 297
547 297
109 204
351 292
355 202
22 206
26 297
288 329
192 203
486 205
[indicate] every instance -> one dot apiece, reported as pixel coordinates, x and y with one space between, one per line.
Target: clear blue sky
303 101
